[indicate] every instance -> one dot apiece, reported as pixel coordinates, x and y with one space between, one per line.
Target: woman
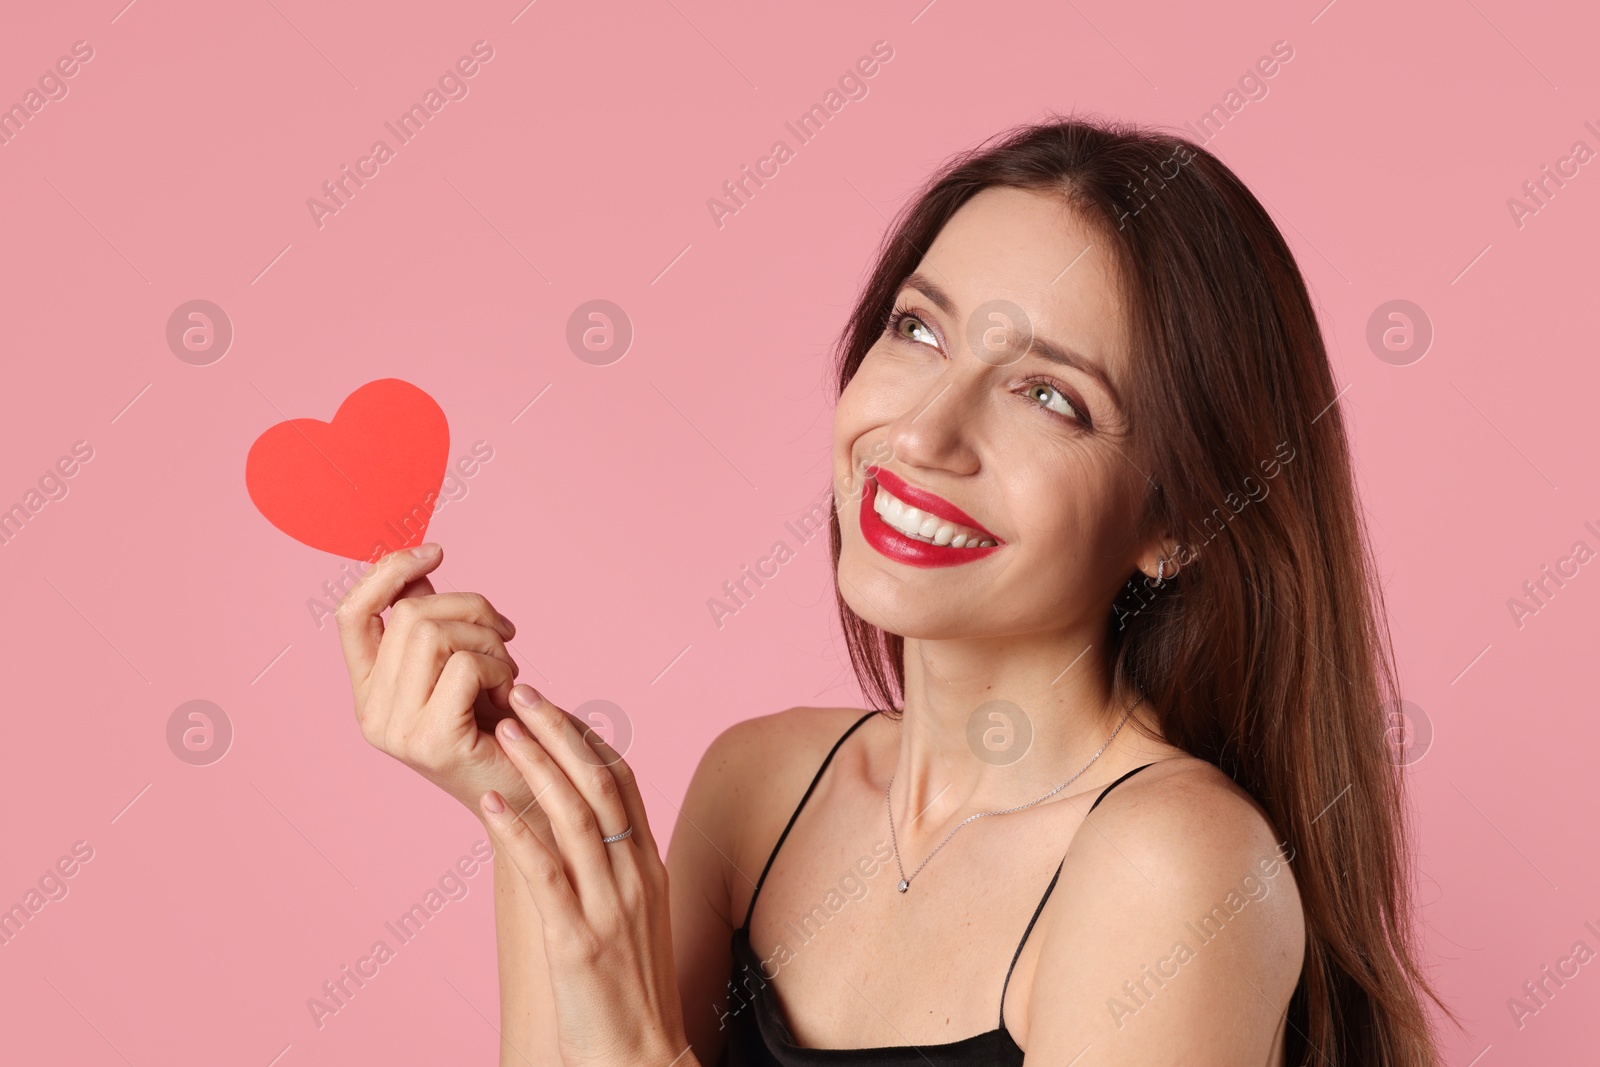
1125 796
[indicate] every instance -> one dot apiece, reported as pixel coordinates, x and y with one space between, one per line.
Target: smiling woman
1150 357
1048 384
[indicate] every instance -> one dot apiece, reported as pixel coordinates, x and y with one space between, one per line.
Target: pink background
578 167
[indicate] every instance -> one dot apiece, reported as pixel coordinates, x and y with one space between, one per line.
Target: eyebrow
1051 351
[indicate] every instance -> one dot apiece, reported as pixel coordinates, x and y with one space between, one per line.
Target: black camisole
759 1037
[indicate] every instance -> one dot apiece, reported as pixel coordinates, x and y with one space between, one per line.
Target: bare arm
527 1007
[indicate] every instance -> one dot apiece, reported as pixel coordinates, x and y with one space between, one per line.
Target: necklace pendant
904 885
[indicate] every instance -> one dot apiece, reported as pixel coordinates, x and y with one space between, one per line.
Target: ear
1163 557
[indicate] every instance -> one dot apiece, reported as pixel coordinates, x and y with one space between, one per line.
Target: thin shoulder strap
1050 889
809 789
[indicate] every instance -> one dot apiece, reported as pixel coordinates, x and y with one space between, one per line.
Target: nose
939 428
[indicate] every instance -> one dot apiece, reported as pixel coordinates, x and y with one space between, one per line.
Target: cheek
849 420
866 405
1060 545
849 426
886 385
891 380
1070 507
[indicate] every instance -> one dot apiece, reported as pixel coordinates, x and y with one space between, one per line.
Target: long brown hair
1269 654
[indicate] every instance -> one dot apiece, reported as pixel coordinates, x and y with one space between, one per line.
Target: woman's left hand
607 928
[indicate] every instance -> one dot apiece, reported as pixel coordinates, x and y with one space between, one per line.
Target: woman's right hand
432 681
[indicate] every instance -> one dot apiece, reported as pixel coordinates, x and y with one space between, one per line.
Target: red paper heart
362 485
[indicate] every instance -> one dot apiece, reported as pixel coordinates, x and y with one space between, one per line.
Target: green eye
1052 399
905 326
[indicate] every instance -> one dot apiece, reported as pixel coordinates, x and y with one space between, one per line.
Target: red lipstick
897 546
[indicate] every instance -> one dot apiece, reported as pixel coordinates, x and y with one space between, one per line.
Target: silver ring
614 838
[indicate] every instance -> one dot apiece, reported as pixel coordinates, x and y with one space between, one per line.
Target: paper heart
362 485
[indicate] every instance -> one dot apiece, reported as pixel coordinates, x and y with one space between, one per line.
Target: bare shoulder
1181 817
752 751
761 761
751 777
1177 923
744 787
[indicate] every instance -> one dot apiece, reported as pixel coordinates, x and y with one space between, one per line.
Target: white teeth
916 523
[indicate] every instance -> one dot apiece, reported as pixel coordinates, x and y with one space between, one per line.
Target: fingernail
425 551
525 694
512 730
493 803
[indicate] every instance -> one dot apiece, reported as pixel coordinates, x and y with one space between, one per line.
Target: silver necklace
905 880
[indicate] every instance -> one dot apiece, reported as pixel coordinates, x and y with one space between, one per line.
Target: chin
923 606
